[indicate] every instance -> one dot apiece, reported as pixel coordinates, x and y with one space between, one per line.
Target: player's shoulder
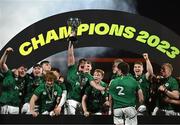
115 81
56 86
72 68
39 89
103 84
130 79
172 78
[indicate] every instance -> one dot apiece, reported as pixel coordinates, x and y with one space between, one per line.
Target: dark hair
44 62
124 67
22 65
89 62
56 69
81 61
37 65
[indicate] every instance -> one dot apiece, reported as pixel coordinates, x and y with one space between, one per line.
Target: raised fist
145 55
8 50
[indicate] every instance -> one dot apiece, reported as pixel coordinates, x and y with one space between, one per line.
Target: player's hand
145 55
34 114
9 50
107 103
57 110
167 99
73 34
162 88
61 79
110 112
86 114
106 88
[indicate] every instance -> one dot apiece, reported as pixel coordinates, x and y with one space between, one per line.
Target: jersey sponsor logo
55 93
49 102
167 84
20 93
102 92
77 83
44 93
16 88
16 78
140 81
84 81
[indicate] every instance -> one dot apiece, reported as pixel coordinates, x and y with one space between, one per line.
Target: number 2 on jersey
120 90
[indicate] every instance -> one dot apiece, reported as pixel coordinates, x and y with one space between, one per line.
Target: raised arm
149 67
3 65
71 58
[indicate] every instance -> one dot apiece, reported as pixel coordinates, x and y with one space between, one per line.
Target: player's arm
107 102
71 58
149 67
63 98
58 107
172 101
110 105
3 65
34 98
172 94
140 96
84 106
97 86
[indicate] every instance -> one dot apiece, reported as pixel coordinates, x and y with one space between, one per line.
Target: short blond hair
100 71
168 65
119 60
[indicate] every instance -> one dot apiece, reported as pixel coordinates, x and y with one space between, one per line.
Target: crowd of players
46 91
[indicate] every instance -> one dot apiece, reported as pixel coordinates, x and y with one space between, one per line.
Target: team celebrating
46 91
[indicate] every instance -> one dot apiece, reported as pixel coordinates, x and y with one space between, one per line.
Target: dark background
165 12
